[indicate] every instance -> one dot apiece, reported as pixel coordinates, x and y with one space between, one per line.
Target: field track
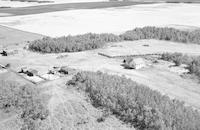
67 6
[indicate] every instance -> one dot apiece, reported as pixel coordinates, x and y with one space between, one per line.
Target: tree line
72 43
136 104
93 41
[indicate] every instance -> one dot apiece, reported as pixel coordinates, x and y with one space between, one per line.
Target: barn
134 63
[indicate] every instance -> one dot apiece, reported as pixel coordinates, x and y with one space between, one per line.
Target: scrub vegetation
26 101
93 41
192 62
134 103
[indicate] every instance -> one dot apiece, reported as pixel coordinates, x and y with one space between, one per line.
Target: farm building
134 63
4 53
8 53
66 70
28 71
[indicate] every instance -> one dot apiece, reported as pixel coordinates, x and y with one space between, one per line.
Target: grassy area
9 36
134 103
93 41
26 101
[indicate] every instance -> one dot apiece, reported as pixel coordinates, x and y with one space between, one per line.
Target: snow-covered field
111 20
8 3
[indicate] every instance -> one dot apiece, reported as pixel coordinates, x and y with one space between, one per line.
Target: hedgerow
136 104
26 101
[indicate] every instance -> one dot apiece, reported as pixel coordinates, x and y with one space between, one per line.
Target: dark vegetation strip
93 41
67 6
136 104
26 101
72 43
192 62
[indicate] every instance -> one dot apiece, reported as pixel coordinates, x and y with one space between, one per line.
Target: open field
115 20
9 36
145 47
65 6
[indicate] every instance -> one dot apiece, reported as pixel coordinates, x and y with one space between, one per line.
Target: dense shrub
24 100
136 104
192 62
162 33
72 43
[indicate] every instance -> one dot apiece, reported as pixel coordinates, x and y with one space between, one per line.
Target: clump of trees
134 103
193 62
162 33
93 41
72 43
26 101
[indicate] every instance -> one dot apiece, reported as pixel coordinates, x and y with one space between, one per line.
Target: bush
72 43
24 100
136 104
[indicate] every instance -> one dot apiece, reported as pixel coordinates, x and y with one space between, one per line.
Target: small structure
134 63
4 53
66 70
33 71
28 71
8 53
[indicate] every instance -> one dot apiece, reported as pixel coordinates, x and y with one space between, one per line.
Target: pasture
9 36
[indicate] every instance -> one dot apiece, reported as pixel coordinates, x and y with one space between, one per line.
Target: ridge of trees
136 104
72 43
93 41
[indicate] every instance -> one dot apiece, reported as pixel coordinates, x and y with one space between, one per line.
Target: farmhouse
134 63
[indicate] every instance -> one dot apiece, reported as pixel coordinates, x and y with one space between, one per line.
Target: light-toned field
9 36
110 20
155 47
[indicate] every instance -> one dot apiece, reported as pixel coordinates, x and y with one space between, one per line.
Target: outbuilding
134 63
4 53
